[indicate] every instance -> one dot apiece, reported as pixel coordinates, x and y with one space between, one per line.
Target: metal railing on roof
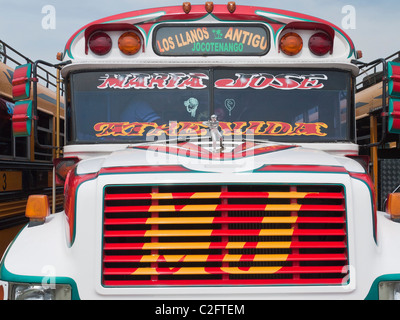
9 54
372 74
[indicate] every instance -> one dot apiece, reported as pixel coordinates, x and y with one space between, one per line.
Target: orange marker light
291 44
393 205
209 6
37 208
231 6
186 6
129 43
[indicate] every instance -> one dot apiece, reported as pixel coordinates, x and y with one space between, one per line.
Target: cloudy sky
373 27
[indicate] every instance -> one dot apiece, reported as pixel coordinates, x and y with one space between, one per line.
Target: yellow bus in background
25 167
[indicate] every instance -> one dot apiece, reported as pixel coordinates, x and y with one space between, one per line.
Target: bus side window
6 138
45 136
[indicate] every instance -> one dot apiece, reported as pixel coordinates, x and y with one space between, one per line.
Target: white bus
214 156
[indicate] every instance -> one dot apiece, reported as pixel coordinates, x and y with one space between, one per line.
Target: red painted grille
224 235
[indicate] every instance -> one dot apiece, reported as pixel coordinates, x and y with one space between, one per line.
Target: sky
27 25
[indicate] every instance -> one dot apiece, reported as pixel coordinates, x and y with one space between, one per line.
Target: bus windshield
276 104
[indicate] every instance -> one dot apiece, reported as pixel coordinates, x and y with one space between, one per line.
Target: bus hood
237 158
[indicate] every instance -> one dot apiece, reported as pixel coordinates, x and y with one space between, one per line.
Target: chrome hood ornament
213 125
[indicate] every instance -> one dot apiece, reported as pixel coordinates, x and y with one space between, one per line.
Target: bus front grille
187 235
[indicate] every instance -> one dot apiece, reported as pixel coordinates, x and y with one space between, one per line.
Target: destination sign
211 40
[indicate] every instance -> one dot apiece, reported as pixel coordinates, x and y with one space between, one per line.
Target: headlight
389 290
35 291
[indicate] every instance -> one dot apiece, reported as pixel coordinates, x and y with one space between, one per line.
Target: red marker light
100 43
320 44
